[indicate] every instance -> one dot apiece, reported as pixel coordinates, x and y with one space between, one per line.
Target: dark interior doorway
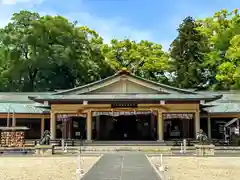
131 127
125 128
79 128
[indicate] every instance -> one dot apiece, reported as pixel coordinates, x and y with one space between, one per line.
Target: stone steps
116 148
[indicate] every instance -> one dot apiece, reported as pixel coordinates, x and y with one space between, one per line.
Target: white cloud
110 28
107 27
13 2
8 1
8 7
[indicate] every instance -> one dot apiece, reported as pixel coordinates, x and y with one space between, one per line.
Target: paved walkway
122 166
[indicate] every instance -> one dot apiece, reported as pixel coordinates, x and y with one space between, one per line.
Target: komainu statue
202 137
45 140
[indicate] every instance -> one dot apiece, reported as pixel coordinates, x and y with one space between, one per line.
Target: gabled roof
124 73
124 97
20 97
229 103
94 91
22 108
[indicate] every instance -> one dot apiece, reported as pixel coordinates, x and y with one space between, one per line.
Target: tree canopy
187 52
45 53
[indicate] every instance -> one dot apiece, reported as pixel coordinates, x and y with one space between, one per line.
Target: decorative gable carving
125 86
124 82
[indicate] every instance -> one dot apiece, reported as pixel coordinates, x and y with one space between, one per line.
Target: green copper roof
113 97
227 96
125 72
229 103
19 97
224 108
21 108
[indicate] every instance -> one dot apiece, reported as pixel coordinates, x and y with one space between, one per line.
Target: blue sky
154 20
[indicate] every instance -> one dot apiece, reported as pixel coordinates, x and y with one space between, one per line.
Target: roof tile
21 108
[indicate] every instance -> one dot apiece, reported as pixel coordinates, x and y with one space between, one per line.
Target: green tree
16 50
100 68
187 54
219 31
145 58
44 53
229 71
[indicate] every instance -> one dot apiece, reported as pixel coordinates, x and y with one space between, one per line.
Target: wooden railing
76 142
191 142
56 142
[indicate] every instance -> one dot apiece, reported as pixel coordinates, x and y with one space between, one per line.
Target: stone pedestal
89 141
44 150
205 150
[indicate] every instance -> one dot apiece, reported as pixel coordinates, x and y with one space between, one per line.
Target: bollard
181 150
65 149
79 170
63 144
161 168
161 160
184 146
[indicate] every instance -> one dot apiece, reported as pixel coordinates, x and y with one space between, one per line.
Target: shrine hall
120 107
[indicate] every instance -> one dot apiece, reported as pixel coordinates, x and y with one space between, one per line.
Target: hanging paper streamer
123 113
178 116
67 117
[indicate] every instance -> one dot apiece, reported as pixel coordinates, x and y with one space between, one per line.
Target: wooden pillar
70 128
89 126
160 126
53 125
13 122
98 126
64 129
8 122
209 127
238 125
185 128
152 125
42 126
197 123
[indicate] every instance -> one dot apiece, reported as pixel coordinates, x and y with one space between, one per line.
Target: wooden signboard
124 105
12 136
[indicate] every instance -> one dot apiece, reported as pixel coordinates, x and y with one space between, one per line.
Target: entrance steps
113 146
102 149
125 143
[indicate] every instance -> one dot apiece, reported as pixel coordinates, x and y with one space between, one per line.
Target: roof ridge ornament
124 71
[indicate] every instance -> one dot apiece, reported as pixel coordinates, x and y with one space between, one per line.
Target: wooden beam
30 116
150 106
66 112
173 107
182 102
117 109
75 107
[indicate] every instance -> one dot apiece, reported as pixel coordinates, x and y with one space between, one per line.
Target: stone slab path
122 166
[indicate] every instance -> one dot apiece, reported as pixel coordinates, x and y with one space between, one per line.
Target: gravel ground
42 168
196 168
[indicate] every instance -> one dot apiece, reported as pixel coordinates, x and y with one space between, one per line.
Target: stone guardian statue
45 140
202 138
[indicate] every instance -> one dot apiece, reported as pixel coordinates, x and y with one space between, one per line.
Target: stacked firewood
12 139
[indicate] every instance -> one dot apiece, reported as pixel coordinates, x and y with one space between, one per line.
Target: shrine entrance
127 127
133 128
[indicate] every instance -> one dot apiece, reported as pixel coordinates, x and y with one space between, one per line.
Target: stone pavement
122 166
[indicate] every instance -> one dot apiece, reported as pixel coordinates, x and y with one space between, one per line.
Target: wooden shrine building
121 107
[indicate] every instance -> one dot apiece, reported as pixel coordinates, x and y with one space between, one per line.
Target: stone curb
162 177
91 166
